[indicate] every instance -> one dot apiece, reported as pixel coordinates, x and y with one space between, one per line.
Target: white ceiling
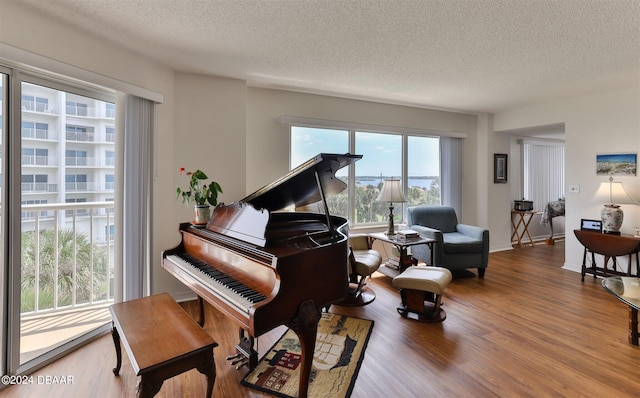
471 55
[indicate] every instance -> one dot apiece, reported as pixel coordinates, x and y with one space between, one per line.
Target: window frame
352 128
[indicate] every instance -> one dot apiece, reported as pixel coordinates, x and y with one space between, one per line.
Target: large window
415 159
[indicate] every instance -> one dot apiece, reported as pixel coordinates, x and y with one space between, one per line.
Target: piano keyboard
233 291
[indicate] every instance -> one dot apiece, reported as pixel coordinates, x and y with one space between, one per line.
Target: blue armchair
458 246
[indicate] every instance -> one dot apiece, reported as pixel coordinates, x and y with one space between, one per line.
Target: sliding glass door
59 268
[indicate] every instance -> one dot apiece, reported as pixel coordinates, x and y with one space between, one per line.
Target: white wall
597 124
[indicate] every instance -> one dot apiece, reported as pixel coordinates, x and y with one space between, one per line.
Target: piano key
217 283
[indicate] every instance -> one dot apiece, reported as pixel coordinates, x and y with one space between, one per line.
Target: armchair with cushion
457 246
363 261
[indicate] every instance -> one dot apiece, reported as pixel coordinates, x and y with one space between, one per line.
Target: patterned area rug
340 345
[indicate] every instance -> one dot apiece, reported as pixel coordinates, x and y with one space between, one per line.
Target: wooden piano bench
421 290
162 341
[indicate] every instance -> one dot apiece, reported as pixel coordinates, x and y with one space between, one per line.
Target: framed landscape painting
617 164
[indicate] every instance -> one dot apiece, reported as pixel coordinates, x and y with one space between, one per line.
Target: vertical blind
138 145
451 173
543 173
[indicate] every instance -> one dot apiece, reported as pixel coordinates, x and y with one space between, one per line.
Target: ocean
421 182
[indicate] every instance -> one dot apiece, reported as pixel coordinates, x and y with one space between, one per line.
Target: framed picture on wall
500 168
617 164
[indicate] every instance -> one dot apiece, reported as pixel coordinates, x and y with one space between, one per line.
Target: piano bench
162 341
421 290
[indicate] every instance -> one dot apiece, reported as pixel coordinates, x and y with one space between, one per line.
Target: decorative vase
203 213
612 217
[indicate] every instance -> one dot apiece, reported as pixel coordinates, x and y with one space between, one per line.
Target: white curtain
137 177
543 173
451 173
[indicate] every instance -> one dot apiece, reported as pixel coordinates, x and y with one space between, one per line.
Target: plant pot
202 214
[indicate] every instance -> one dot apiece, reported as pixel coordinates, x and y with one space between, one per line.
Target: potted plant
202 194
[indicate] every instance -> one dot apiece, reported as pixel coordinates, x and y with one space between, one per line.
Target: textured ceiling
476 56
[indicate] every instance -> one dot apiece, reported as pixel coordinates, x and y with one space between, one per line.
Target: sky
382 153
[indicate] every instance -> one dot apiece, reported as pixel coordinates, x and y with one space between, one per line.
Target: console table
610 247
627 290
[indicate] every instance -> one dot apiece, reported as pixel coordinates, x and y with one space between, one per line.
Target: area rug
340 345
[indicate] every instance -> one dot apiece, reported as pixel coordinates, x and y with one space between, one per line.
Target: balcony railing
38 134
40 187
83 136
38 160
67 256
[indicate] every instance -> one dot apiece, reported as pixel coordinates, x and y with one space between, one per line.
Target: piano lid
299 187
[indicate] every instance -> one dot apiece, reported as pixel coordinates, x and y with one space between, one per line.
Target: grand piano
263 267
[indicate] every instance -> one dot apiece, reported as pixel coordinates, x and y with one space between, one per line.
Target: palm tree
75 255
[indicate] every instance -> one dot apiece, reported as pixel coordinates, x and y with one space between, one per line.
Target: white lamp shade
391 192
613 193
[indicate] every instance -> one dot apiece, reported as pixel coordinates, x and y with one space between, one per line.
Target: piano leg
305 325
201 315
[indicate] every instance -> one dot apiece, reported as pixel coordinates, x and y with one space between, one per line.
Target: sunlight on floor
43 332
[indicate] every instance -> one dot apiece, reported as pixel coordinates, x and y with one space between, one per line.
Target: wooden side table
162 341
610 247
402 245
524 219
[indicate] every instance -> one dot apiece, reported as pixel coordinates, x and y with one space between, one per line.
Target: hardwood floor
528 329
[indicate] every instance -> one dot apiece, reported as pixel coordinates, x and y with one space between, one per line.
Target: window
42 104
35 130
79 133
75 158
110 158
385 155
109 182
110 232
75 182
76 108
35 156
307 142
33 103
110 134
381 159
111 110
543 169
35 183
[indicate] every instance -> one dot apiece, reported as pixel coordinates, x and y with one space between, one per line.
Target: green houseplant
202 194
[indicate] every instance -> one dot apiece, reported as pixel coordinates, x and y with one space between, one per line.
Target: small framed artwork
500 168
617 164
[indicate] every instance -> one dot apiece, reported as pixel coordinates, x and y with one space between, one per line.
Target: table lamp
611 214
391 192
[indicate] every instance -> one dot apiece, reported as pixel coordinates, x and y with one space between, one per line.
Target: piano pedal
232 357
244 362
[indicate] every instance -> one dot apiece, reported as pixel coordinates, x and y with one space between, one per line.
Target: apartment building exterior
68 156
